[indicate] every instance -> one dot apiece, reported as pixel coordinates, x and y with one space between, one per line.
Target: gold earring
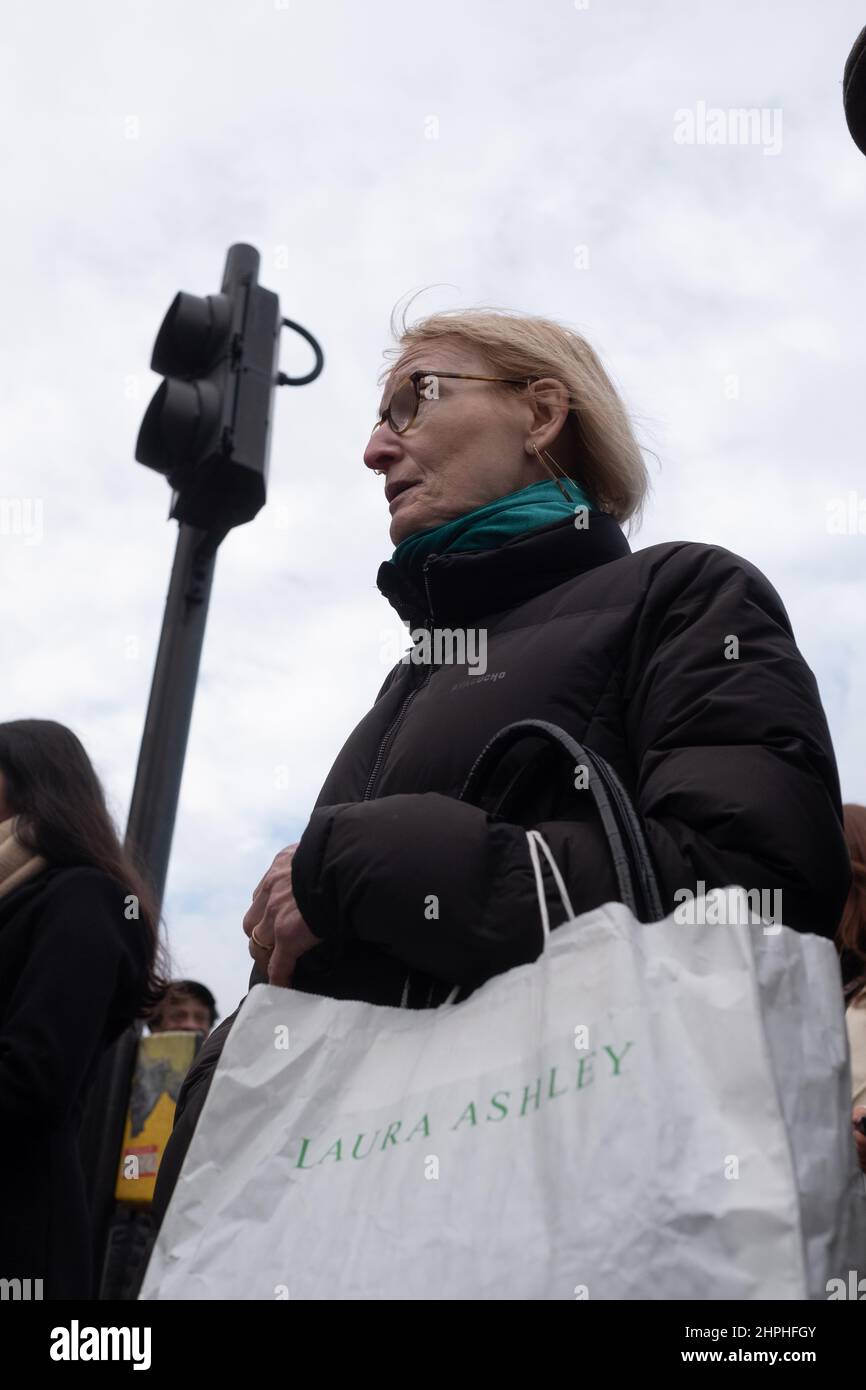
573 500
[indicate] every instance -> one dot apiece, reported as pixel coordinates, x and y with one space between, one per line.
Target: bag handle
619 819
620 822
536 841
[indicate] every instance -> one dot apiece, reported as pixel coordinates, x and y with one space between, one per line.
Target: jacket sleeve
85 956
737 779
736 784
441 885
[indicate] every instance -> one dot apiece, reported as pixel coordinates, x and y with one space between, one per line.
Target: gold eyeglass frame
417 377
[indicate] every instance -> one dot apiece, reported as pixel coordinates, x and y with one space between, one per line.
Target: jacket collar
461 586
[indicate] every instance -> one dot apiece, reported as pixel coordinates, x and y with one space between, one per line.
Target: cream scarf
17 863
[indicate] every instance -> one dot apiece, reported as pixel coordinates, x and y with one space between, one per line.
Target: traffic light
208 426
854 91
208 430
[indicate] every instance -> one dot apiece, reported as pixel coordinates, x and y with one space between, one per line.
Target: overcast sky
549 158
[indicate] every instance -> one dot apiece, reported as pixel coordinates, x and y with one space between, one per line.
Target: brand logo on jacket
479 680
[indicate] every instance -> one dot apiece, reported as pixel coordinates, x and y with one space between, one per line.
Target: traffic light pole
148 839
208 430
156 792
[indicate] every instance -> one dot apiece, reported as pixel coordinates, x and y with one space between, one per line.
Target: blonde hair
609 465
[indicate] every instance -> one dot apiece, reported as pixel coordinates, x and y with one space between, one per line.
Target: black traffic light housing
854 91
208 427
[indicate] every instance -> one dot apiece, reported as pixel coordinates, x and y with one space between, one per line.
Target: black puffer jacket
676 663
73 971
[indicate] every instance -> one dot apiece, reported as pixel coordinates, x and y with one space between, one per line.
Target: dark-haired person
79 960
851 940
186 1007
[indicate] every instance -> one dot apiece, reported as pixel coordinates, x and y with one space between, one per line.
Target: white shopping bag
650 1110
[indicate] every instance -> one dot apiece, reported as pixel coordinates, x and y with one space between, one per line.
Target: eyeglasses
402 408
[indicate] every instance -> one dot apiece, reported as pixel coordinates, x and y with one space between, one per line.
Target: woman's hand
859 1137
282 935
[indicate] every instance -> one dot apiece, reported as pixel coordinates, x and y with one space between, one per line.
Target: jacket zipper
394 727
390 735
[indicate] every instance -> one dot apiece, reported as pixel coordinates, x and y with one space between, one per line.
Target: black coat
72 974
727 759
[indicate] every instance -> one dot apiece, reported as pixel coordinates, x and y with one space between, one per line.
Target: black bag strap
620 821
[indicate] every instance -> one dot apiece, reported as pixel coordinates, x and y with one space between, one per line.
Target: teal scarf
540 504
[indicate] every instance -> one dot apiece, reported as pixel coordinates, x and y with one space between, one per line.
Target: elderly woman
509 468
